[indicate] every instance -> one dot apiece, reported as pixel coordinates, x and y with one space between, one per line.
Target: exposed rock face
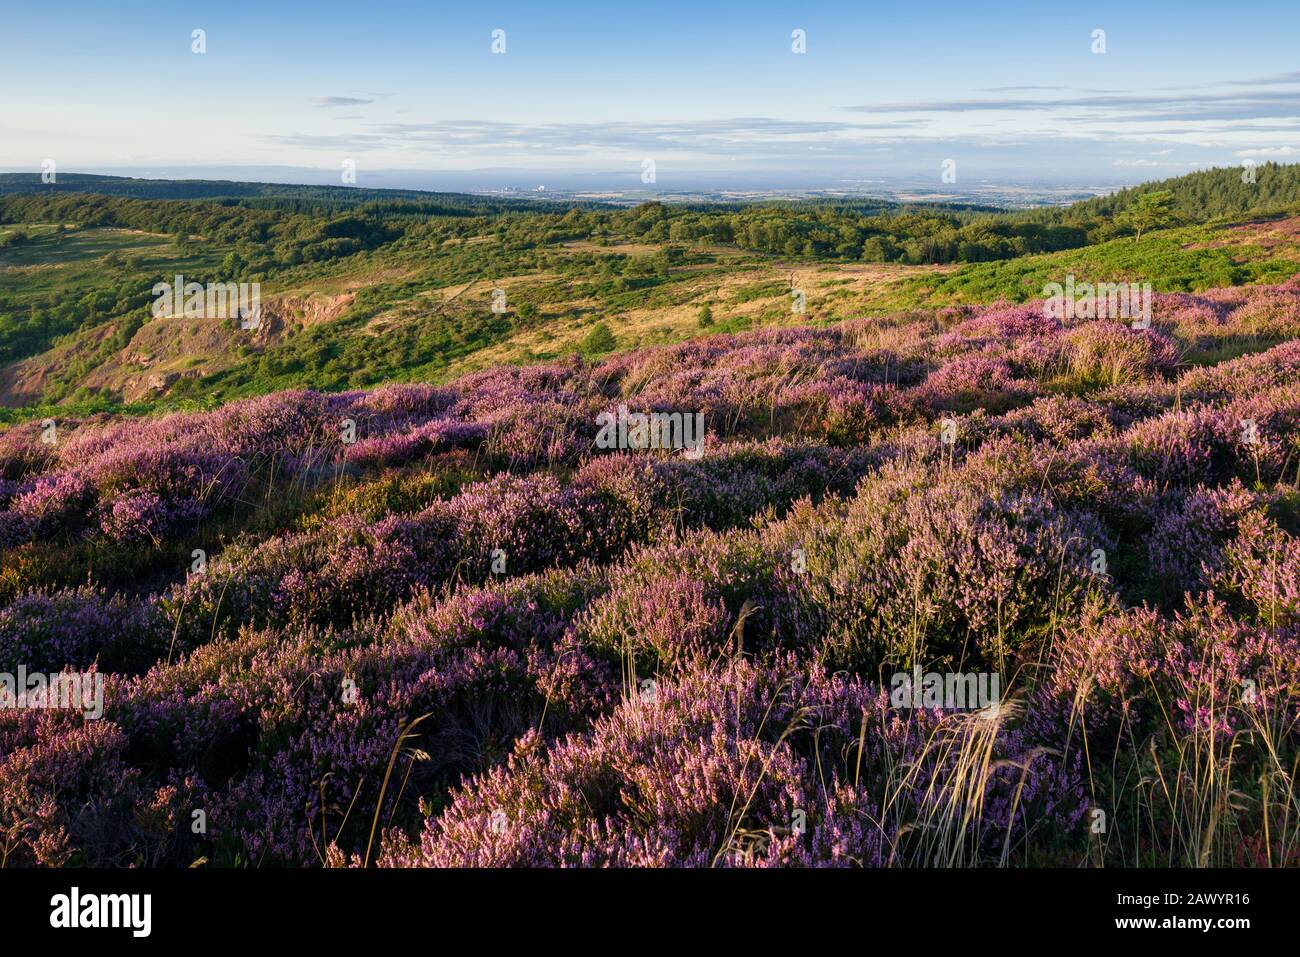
307 311
170 348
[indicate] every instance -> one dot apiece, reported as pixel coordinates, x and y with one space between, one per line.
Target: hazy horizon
569 182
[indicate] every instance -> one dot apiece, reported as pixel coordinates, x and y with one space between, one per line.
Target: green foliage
1153 210
598 341
1201 197
1176 260
420 266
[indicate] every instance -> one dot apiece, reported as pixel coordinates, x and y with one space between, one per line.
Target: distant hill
1200 197
213 190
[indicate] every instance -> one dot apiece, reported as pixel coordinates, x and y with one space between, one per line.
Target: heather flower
76 628
732 765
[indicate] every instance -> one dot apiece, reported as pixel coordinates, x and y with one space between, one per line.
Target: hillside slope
393 318
569 653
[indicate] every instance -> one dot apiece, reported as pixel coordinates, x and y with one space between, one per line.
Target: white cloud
339 101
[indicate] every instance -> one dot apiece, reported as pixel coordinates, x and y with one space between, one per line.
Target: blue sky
1012 92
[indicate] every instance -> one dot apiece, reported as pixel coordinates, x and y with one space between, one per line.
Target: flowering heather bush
1245 376
1261 566
994 328
437 625
141 515
55 503
397 448
69 797
952 572
975 381
751 766
1253 438
1101 353
78 628
1187 536
1198 671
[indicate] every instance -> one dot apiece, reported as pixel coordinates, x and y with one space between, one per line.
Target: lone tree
1153 210
599 340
